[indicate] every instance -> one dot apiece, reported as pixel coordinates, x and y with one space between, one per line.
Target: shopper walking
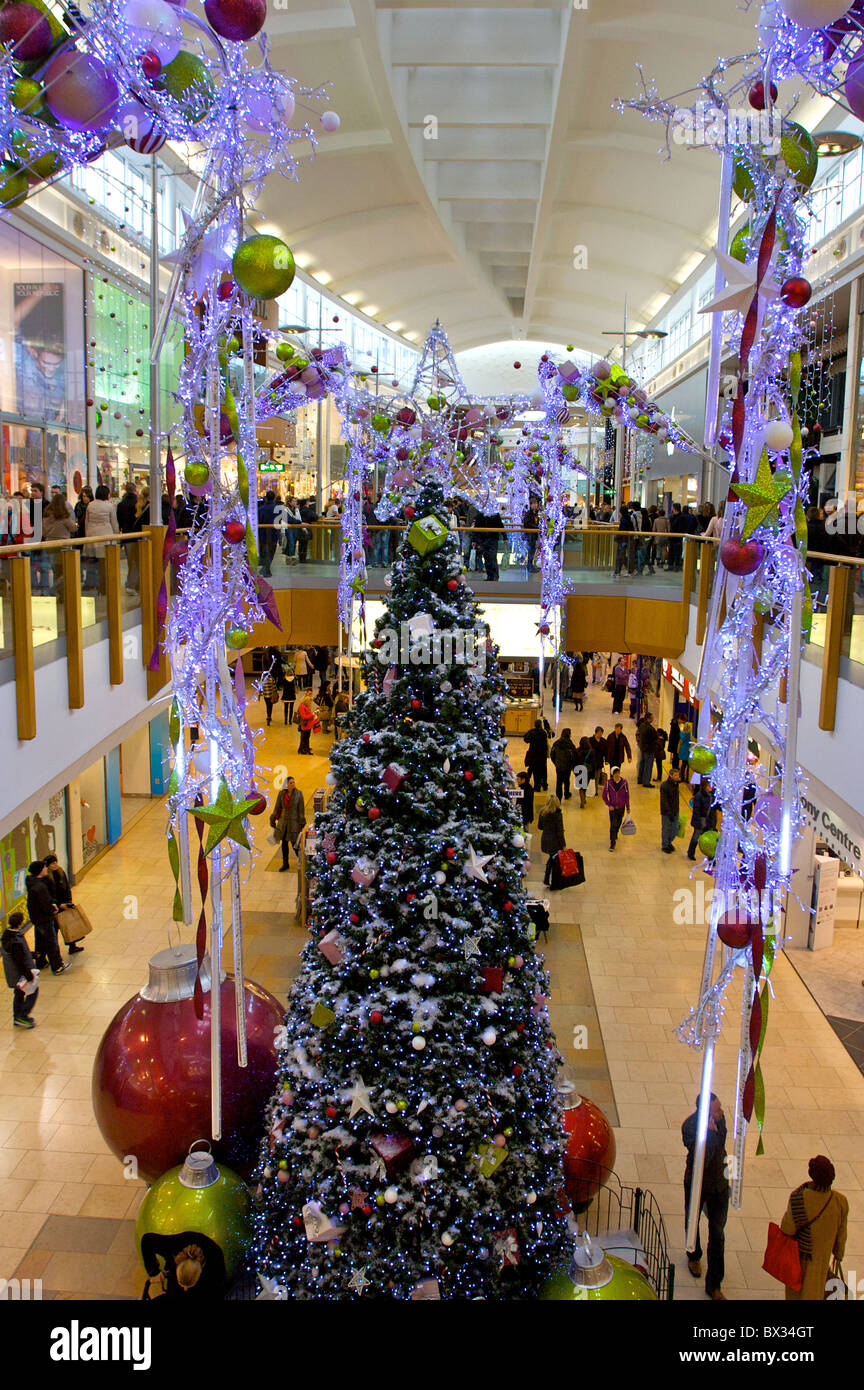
818 1217
537 757
618 747
620 677
646 741
660 753
289 694
584 768
563 755
598 749
578 682
61 891
270 692
309 724
22 977
714 1196
670 801
704 815
526 799
42 911
288 818
674 740
302 669
550 823
616 794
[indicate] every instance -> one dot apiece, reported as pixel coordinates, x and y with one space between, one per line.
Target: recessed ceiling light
302 259
395 327
370 310
352 297
322 277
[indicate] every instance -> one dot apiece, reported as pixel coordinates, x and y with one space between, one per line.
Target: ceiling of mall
478 149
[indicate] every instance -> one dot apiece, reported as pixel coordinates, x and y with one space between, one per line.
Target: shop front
828 871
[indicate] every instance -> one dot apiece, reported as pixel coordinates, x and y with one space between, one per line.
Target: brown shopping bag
74 924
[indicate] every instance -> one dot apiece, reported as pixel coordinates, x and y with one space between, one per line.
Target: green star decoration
763 497
225 818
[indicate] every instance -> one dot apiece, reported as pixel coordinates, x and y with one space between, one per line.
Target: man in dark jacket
670 801
61 892
488 529
626 549
678 526
18 966
126 509
646 740
308 516
598 749
531 525
267 531
563 756
537 757
618 748
715 1196
704 815
42 911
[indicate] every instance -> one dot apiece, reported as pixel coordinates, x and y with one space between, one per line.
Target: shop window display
91 795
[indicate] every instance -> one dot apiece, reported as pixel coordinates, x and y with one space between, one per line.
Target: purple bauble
602 370
80 91
238 20
855 87
26 31
768 812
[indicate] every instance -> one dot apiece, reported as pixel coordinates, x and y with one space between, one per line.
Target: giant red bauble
756 95
234 531
26 32
151 1076
796 292
742 557
590 1154
236 19
735 932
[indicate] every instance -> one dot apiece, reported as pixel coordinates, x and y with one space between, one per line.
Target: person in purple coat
616 795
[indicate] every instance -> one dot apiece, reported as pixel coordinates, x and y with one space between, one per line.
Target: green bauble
738 248
14 185
797 150
263 266
708 843
98 418
196 473
236 638
215 1206
36 166
570 393
434 402
380 423
26 95
702 759
188 81
284 351
627 1285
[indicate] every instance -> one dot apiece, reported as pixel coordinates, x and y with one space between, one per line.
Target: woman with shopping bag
72 922
616 795
288 818
815 1222
550 823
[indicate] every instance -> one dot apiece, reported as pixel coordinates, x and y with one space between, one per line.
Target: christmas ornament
475 865
195 1221
237 20
814 14
590 1153
187 79
763 497
708 843
151 1076
854 87
394 1150
154 28
263 266
80 91
778 436
25 32
595 1277
427 534
741 557
756 95
702 759
796 291
740 288
225 818
359 1098
735 933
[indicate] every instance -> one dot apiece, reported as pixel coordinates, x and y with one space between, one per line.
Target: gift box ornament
427 534
421 625
364 872
394 1150
493 979
321 1016
506 1247
393 776
318 1225
490 1158
331 947
427 1291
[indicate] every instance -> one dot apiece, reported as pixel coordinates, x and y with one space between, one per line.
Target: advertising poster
40 348
15 856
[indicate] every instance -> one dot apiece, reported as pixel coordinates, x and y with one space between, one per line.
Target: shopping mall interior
498 368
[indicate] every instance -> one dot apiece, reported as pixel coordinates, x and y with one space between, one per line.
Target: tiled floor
644 966
835 976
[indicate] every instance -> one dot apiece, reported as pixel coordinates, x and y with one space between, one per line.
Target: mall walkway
66 1211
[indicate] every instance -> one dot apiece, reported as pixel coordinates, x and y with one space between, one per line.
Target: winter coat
585 758
309 722
670 798
58 886
619 675
684 746
126 509
527 803
598 749
538 748
17 957
551 826
563 754
40 903
617 798
617 748
100 519
674 737
58 528
704 815
646 738
828 1214
270 687
289 815
578 680
714 1179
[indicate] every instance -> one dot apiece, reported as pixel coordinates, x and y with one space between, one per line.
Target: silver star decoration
740 286
213 253
476 865
358 1281
471 946
359 1097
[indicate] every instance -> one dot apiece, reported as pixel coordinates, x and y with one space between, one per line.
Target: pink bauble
590 1154
602 370
815 14
26 31
330 121
151 1077
855 87
769 812
741 557
154 27
80 91
237 20
264 109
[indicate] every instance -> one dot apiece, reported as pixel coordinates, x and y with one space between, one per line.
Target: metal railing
631 1210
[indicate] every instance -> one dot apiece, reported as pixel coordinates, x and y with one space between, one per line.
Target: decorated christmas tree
414 1143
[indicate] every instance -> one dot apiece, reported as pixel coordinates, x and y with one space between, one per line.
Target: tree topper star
763 497
359 1097
358 1281
476 864
740 286
225 818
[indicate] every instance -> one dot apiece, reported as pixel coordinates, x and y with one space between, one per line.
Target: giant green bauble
263 266
797 149
626 1286
196 473
187 79
738 248
708 842
14 185
37 166
219 1211
702 759
26 95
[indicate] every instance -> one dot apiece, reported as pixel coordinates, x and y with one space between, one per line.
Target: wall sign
834 832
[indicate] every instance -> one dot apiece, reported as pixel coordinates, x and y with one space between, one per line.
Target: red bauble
517 365
376 1016
331 1112
409 512
367 738
468 775
544 628
756 95
260 803
735 932
590 1154
796 292
741 557
452 585
238 20
508 906
517 1069
449 852
225 290
234 532
354 918
151 1077
331 857
374 812
25 31
151 65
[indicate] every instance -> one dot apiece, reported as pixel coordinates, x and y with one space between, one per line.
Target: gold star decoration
763 496
225 818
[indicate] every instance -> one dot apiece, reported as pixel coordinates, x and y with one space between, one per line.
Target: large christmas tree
414 1142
